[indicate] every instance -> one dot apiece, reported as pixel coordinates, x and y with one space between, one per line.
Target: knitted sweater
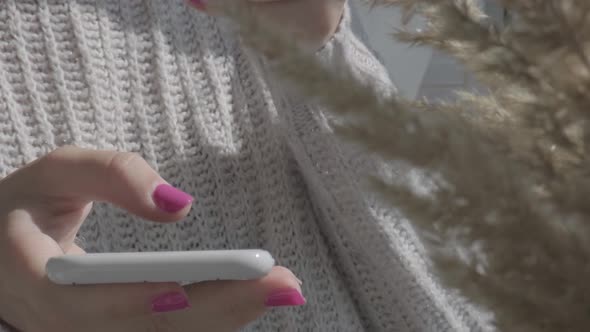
178 87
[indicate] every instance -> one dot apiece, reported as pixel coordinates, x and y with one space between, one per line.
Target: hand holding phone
36 230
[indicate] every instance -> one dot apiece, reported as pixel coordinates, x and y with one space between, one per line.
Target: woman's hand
42 207
314 21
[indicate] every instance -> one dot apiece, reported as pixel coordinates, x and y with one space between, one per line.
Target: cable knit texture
178 87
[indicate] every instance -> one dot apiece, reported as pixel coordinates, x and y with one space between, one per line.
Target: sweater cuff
343 27
345 51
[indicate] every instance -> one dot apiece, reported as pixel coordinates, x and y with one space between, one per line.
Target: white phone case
172 266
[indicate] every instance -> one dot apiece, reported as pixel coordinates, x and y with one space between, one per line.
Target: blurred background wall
417 71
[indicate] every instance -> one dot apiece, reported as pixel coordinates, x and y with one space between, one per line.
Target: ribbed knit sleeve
345 50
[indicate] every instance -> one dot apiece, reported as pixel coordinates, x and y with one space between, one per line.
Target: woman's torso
176 86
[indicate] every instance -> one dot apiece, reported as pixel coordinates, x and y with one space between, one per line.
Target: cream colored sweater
178 87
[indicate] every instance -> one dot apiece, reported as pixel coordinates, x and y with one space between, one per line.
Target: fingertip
172 204
161 202
282 276
286 292
243 301
282 288
288 297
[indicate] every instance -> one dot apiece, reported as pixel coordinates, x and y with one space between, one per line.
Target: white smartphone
172 266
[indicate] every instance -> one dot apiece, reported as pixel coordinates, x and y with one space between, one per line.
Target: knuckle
62 151
59 155
54 161
123 163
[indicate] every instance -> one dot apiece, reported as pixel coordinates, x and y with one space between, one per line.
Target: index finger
77 176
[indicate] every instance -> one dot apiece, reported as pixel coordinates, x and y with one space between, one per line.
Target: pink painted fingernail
285 297
199 4
170 199
172 301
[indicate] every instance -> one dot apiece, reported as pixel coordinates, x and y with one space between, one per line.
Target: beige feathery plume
508 224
